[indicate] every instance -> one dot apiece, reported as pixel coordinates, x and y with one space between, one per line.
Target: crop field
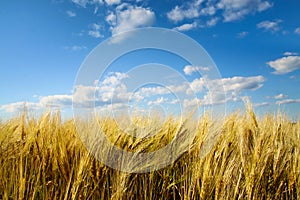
253 158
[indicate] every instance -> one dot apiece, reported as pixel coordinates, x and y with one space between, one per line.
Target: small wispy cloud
71 13
212 22
297 30
288 53
242 34
158 101
288 101
186 27
280 96
262 104
272 26
84 3
75 48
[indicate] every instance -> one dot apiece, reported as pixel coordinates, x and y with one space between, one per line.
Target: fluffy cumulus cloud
127 17
231 9
272 26
111 92
232 87
285 65
189 11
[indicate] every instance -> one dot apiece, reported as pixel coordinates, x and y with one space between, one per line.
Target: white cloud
242 34
208 11
237 84
232 87
189 70
285 65
95 34
108 91
80 2
216 97
270 25
158 101
297 30
262 104
128 17
290 53
114 78
189 11
116 107
96 26
288 101
76 48
162 90
175 101
112 2
264 6
280 96
71 13
236 9
178 13
19 106
197 85
191 103
56 101
151 91
84 3
178 88
186 27
212 22
112 90
231 9
111 19
95 31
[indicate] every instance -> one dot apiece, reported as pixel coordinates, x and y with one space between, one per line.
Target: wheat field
43 158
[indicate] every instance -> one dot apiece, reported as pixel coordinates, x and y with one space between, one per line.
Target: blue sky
254 43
